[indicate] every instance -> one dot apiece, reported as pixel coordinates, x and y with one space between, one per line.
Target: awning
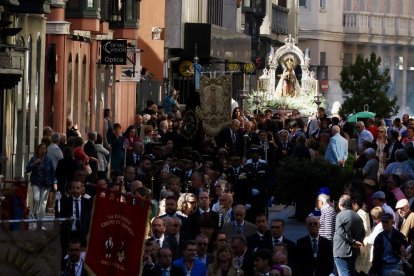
217 42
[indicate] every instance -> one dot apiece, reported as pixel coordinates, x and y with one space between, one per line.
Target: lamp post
243 94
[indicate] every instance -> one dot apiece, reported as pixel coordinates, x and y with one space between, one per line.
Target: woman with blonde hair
223 263
186 204
381 142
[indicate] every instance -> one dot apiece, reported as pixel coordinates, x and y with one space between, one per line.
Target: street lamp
318 99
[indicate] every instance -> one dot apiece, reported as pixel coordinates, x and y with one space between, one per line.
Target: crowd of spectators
209 195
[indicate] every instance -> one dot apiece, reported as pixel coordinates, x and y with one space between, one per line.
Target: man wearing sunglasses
315 256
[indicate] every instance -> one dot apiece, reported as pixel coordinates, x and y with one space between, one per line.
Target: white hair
324 198
287 270
146 118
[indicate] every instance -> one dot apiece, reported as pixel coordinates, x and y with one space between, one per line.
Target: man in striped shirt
328 217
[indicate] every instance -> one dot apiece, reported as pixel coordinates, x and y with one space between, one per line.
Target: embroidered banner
117 236
215 103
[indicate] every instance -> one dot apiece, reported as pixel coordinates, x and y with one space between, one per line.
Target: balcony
387 25
279 20
11 65
124 18
84 15
30 6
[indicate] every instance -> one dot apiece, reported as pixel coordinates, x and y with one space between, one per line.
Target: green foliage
363 83
299 181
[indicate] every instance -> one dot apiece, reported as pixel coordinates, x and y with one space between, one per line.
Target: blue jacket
46 169
199 268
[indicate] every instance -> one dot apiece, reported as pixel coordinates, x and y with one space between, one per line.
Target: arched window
76 91
85 108
37 88
28 84
69 87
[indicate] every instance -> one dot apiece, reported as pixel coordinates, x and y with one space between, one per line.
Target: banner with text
117 236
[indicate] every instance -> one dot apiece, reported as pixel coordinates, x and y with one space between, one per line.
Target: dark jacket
397 240
157 271
321 265
66 211
45 168
66 269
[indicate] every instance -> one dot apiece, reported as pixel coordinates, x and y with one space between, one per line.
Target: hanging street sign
114 52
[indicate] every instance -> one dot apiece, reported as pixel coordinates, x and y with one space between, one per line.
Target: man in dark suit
134 157
239 226
164 261
243 257
74 265
258 176
315 255
231 139
77 207
193 222
262 238
277 227
158 230
237 175
177 234
284 147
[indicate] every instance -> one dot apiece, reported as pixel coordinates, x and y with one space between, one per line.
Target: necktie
165 272
73 270
239 229
314 247
77 216
255 166
159 242
234 137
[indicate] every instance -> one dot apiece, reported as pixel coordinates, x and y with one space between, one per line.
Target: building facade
22 47
78 84
336 33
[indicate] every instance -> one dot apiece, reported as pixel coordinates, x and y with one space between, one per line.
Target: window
75 116
215 12
90 4
322 4
399 63
322 58
302 3
282 3
38 95
347 59
69 88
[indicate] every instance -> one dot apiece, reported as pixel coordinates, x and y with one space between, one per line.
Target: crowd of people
209 195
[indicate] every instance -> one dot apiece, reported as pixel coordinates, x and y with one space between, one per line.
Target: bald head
335 129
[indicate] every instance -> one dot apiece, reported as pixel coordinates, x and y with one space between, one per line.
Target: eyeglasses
381 131
202 243
275 226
